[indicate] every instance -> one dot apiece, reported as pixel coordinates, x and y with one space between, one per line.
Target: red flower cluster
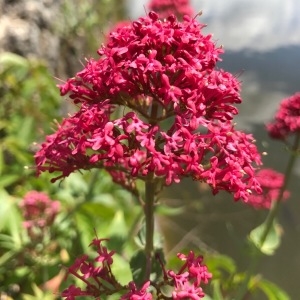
136 294
100 281
187 281
287 119
271 182
96 278
165 8
39 212
174 116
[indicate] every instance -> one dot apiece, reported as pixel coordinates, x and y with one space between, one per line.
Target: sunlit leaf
11 59
272 240
7 256
121 269
118 225
10 218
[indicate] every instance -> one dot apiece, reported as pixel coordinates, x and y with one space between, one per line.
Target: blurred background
50 39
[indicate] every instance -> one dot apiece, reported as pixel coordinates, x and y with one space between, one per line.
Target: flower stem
270 219
149 217
275 208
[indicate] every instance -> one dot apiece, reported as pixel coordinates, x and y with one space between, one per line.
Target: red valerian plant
165 8
271 182
287 118
153 108
98 279
179 119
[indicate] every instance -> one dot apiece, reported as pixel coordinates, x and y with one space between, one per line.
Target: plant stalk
149 218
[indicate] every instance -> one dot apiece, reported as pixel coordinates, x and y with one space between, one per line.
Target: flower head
271 182
153 104
137 294
187 281
187 291
165 8
39 212
287 118
72 292
95 274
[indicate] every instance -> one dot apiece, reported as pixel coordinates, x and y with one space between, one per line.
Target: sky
242 24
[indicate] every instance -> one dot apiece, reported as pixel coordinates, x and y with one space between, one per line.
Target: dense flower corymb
154 105
271 182
287 119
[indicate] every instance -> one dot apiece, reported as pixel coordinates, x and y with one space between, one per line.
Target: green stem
149 217
150 188
270 219
275 208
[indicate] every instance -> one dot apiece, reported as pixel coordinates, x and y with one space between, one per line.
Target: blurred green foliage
91 203
29 103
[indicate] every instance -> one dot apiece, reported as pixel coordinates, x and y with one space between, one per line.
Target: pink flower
135 294
39 212
187 291
72 292
271 182
197 271
189 278
287 118
177 121
167 7
95 274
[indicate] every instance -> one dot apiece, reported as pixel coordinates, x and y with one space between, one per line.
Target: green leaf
118 225
156 269
99 210
138 264
38 294
217 293
8 179
11 59
26 130
218 263
121 269
7 256
272 291
138 267
10 218
272 240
